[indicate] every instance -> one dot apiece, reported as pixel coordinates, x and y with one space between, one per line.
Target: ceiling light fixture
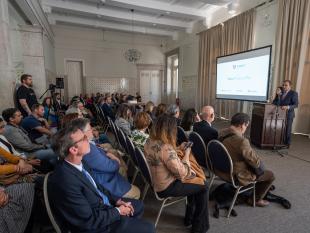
132 55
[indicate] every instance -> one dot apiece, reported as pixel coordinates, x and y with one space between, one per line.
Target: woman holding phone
175 172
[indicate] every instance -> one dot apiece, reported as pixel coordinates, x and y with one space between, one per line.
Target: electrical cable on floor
296 157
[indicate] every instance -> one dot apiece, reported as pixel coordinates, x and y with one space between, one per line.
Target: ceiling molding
122 15
163 6
108 25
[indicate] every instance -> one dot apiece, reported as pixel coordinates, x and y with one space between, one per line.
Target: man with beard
25 96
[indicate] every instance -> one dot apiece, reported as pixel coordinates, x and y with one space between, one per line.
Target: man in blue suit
288 100
79 204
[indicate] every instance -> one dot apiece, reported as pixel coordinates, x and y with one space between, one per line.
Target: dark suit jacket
291 100
205 131
76 204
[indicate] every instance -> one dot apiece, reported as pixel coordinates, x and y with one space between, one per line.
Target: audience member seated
190 117
73 108
105 166
36 126
160 109
68 118
106 107
248 166
50 113
138 97
18 137
139 136
100 138
14 169
15 207
6 145
149 107
82 205
172 171
204 127
58 105
124 119
174 110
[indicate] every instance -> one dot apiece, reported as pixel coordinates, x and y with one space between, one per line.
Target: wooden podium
268 125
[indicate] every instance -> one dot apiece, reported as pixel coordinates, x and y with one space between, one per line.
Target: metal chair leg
134 175
159 213
146 188
211 181
233 202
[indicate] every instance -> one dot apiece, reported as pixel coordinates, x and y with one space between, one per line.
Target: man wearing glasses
78 202
288 100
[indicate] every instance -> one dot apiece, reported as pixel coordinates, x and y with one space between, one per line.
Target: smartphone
188 144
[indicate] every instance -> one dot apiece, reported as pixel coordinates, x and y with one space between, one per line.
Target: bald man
204 127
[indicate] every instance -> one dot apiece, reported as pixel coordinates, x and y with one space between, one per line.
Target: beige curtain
236 35
292 55
291 28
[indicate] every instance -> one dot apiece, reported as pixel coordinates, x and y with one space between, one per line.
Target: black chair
105 123
181 136
122 139
113 127
199 149
221 165
132 155
146 172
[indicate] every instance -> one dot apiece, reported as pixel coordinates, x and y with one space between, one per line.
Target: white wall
49 59
188 67
102 52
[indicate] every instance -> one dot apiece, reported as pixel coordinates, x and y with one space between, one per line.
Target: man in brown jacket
244 158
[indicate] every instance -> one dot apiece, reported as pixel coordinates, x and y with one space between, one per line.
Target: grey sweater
20 140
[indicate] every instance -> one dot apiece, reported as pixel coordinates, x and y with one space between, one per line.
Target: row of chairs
139 162
217 161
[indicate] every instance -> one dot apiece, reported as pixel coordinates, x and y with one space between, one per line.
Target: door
74 74
150 86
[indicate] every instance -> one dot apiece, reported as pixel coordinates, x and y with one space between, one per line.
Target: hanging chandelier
132 55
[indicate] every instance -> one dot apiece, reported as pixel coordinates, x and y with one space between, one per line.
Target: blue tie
104 197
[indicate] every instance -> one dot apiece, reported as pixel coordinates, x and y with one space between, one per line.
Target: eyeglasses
81 140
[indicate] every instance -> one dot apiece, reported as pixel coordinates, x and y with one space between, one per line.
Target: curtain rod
255 7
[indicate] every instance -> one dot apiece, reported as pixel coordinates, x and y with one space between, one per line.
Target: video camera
52 87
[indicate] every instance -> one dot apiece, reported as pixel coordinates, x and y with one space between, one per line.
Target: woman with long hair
124 119
190 117
176 173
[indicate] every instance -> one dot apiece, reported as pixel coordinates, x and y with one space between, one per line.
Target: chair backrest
143 166
220 159
122 139
181 136
112 126
47 205
131 150
198 149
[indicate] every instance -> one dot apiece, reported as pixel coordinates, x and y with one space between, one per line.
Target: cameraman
25 96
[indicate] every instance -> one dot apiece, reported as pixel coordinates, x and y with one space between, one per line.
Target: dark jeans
133 224
289 124
197 197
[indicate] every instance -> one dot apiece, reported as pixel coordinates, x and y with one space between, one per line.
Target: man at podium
288 100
